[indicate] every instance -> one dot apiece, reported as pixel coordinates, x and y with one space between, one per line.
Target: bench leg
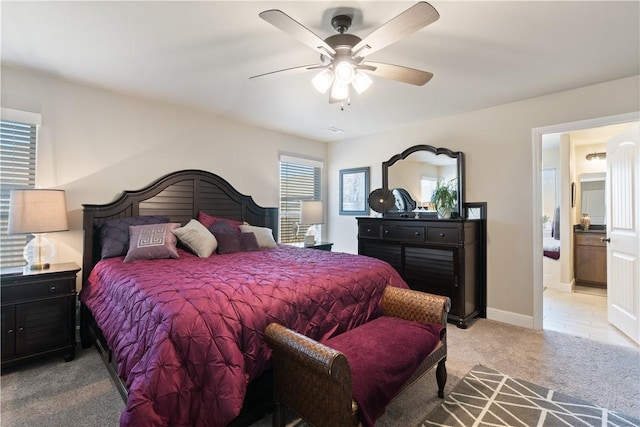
441 377
278 415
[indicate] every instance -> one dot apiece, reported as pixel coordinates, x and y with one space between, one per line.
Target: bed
551 262
183 337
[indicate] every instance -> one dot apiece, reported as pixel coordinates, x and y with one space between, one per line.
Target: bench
315 380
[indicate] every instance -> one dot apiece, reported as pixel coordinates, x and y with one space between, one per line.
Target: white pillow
264 235
197 238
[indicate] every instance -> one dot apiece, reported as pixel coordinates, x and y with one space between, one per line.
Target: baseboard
566 287
510 318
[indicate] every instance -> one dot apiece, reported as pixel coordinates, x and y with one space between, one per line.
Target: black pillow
114 234
222 227
229 243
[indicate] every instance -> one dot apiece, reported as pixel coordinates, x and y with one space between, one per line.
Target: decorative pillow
248 242
229 243
197 238
152 241
114 234
208 220
222 227
264 235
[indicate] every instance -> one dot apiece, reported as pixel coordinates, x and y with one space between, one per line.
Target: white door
623 223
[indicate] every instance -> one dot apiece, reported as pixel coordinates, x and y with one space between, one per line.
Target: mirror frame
458 155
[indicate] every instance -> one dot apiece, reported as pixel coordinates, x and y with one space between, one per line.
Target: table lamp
311 213
37 212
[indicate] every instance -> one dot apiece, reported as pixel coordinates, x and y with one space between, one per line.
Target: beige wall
497 143
95 143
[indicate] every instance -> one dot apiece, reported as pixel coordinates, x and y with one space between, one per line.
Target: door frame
536 146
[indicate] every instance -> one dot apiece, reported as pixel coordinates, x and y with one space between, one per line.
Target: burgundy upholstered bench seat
348 380
383 354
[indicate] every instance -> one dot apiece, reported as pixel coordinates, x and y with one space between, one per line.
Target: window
18 171
300 179
427 187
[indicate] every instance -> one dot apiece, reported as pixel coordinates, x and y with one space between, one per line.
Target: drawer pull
417 233
52 289
605 239
10 331
441 234
368 230
20 329
386 231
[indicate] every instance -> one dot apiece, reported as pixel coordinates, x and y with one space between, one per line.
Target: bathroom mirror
416 171
592 197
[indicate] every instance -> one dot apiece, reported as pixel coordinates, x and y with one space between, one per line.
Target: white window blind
17 171
300 180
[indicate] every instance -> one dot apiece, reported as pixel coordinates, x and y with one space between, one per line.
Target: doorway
563 306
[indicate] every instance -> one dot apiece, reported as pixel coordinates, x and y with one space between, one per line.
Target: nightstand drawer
442 235
37 289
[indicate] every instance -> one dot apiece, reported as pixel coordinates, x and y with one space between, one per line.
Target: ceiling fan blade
411 20
290 70
399 73
284 22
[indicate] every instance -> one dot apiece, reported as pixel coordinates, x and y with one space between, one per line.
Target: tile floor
582 313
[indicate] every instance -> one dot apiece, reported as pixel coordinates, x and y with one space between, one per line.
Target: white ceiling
202 53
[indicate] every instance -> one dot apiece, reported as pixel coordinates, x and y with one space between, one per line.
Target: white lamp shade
311 212
322 81
361 81
37 211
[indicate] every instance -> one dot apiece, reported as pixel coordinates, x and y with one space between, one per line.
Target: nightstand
38 312
323 246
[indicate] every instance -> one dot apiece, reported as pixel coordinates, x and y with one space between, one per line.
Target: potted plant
444 197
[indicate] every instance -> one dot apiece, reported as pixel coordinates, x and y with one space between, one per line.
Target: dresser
444 257
38 312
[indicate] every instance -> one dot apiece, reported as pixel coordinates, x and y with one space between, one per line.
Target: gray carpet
486 397
80 393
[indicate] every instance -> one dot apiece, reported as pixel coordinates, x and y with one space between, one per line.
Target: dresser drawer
369 230
38 289
405 233
443 235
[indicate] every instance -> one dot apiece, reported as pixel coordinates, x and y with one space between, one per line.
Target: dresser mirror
412 176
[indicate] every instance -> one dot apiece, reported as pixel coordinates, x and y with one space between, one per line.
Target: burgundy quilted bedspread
187 332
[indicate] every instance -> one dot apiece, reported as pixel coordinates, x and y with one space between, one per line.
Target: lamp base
39 252
309 239
43 266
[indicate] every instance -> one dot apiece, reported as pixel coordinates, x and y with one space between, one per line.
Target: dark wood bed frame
180 196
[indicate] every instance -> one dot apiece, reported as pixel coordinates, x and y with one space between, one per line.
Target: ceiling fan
342 56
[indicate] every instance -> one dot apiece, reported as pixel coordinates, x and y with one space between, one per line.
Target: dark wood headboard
180 196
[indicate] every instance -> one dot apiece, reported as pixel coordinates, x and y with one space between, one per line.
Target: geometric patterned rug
485 397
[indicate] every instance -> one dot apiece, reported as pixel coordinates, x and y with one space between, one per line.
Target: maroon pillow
208 220
229 243
152 241
114 234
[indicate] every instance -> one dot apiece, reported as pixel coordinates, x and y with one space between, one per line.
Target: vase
444 212
585 221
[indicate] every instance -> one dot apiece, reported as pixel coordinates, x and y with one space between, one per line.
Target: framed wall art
354 191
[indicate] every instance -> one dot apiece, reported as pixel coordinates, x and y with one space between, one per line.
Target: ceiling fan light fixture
323 80
361 81
344 72
340 91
